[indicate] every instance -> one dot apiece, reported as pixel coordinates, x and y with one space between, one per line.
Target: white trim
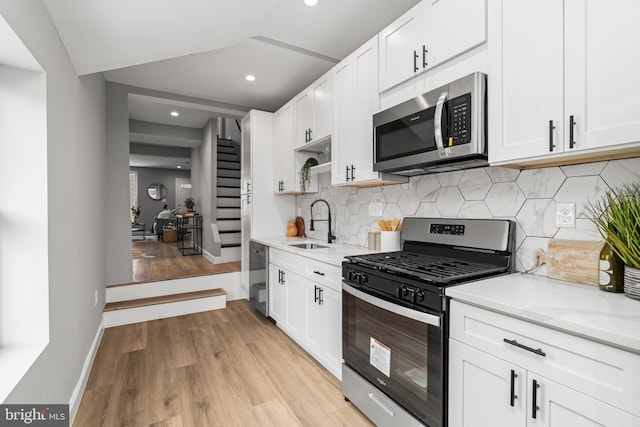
78 391
161 311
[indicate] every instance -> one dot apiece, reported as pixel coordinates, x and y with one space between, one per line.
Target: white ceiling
205 48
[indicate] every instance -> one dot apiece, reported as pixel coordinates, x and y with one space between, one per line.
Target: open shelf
315 146
323 168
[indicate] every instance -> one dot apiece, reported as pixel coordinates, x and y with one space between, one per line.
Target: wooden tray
574 260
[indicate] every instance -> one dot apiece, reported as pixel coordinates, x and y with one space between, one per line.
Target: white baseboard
78 391
162 311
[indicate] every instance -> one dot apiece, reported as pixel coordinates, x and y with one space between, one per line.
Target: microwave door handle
437 124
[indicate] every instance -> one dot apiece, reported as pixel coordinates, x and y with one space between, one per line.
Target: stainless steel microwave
442 130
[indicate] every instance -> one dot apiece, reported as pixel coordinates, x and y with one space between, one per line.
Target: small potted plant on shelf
305 173
135 213
189 203
617 217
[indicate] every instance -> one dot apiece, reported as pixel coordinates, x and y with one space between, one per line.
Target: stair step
231 238
228 182
228 202
231 254
164 299
228 173
222 142
230 245
225 225
227 213
223 164
224 157
225 149
228 191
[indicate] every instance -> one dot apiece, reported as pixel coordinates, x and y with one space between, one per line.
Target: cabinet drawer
598 370
284 259
322 273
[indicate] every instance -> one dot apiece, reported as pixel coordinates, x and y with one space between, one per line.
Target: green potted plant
305 173
135 213
617 217
189 203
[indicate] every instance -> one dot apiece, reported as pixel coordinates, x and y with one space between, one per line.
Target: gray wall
76 196
149 207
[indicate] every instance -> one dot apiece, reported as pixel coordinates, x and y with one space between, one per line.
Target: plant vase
632 282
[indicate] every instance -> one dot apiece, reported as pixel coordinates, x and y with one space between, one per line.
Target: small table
137 228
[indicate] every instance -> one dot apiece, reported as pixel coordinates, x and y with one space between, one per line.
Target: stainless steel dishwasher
259 276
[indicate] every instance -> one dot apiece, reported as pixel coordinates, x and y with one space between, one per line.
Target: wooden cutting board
300 226
574 260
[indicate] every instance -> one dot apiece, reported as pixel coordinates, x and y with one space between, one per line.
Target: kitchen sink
308 246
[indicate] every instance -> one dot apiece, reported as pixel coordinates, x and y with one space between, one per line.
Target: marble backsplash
529 197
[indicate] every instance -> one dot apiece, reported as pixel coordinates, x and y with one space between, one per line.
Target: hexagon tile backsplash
529 197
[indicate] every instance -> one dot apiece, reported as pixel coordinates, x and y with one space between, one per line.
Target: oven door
397 349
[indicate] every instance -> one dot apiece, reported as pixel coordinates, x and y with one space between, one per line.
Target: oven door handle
400 310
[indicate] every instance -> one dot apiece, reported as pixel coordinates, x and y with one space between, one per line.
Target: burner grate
432 268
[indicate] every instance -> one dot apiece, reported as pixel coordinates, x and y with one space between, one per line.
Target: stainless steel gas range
395 320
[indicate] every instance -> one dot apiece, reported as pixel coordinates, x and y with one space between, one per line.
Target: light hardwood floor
228 367
155 261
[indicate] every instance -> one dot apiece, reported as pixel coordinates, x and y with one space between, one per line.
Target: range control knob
362 278
418 296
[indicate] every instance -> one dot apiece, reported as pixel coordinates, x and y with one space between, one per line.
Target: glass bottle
611 274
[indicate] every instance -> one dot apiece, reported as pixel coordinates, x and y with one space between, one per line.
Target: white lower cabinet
496 383
308 306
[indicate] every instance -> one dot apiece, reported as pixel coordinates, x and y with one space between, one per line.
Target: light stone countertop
582 310
333 254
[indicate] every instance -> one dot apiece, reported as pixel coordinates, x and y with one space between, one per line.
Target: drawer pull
534 391
318 272
537 351
513 387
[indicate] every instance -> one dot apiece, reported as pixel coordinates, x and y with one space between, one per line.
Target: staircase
228 200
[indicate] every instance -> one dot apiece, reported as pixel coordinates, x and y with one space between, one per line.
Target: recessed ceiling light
175 114
250 77
179 167
311 2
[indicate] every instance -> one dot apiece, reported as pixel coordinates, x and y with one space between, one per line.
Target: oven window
399 355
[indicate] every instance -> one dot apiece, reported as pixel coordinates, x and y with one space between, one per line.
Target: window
24 280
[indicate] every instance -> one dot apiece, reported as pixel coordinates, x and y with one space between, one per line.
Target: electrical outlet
566 215
375 209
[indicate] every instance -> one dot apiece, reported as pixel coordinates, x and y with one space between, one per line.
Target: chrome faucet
330 235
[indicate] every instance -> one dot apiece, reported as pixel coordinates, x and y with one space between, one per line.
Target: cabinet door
283 168
401 47
294 319
525 80
601 83
455 26
322 108
560 406
367 103
314 329
342 140
245 154
304 118
276 294
331 302
480 390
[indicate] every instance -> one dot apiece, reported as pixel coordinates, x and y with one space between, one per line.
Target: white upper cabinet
356 99
314 112
552 67
429 34
283 165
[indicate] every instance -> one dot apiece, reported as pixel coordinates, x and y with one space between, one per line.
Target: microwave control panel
460 120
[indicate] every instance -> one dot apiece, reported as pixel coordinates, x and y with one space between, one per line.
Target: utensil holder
390 241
